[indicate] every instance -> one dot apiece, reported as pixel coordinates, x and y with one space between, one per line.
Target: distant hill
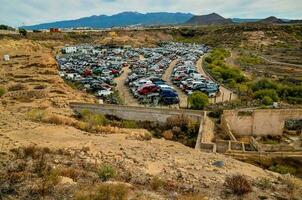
208 20
240 20
272 20
118 20
295 22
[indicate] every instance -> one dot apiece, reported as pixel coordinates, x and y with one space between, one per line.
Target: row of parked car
94 67
145 79
185 75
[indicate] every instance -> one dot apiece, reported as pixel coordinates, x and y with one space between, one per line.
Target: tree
198 100
23 32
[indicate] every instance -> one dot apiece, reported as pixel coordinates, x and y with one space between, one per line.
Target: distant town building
54 30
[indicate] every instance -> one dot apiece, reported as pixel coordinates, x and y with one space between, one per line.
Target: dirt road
166 77
123 89
225 94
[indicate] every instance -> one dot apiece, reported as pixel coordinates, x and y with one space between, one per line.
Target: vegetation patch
2 91
106 172
198 100
220 71
238 184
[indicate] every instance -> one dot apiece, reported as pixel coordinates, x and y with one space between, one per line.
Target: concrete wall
137 113
259 122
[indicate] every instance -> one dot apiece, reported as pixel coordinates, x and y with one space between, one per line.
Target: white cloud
17 12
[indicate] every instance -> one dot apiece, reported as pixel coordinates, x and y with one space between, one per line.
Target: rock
219 163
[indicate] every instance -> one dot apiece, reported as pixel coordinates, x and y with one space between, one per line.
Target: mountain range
159 18
119 20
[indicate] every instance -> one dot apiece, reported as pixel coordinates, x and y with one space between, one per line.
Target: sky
29 12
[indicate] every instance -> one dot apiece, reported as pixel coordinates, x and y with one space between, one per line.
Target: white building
69 50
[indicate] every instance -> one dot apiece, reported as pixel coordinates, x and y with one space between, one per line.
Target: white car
104 93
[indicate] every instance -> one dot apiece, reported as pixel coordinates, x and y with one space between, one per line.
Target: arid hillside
45 153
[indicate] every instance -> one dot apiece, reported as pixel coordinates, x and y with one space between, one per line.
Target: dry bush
71 172
33 151
264 183
238 184
157 183
294 186
103 191
168 135
17 87
36 115
178 121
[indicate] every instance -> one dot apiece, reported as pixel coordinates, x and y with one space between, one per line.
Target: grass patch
283 169
2 91
106 172
249 60
17 87
103 191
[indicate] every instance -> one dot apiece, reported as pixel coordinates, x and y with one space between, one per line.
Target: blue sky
28 12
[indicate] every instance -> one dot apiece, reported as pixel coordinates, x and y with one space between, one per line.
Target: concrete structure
137 113
258 122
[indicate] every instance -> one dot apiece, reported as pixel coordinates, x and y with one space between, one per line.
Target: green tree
198 100
23 32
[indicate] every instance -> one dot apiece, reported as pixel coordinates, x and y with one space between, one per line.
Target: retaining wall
137 113
258 122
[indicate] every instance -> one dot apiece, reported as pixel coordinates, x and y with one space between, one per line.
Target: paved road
167 77
225 94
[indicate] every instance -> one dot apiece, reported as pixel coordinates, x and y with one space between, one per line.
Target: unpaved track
123 89
225 94
166 77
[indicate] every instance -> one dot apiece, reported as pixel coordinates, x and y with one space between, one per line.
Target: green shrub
283 169
267 100
198 100
264 84
260 94
130 124
238 184
23 32
93 119
36 115
2 91
106 172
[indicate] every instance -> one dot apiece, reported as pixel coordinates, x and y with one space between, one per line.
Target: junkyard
95 69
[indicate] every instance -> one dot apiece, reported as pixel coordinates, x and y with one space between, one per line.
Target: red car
87 72
147 89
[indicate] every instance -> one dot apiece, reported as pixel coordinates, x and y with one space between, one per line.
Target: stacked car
186 77
94 68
